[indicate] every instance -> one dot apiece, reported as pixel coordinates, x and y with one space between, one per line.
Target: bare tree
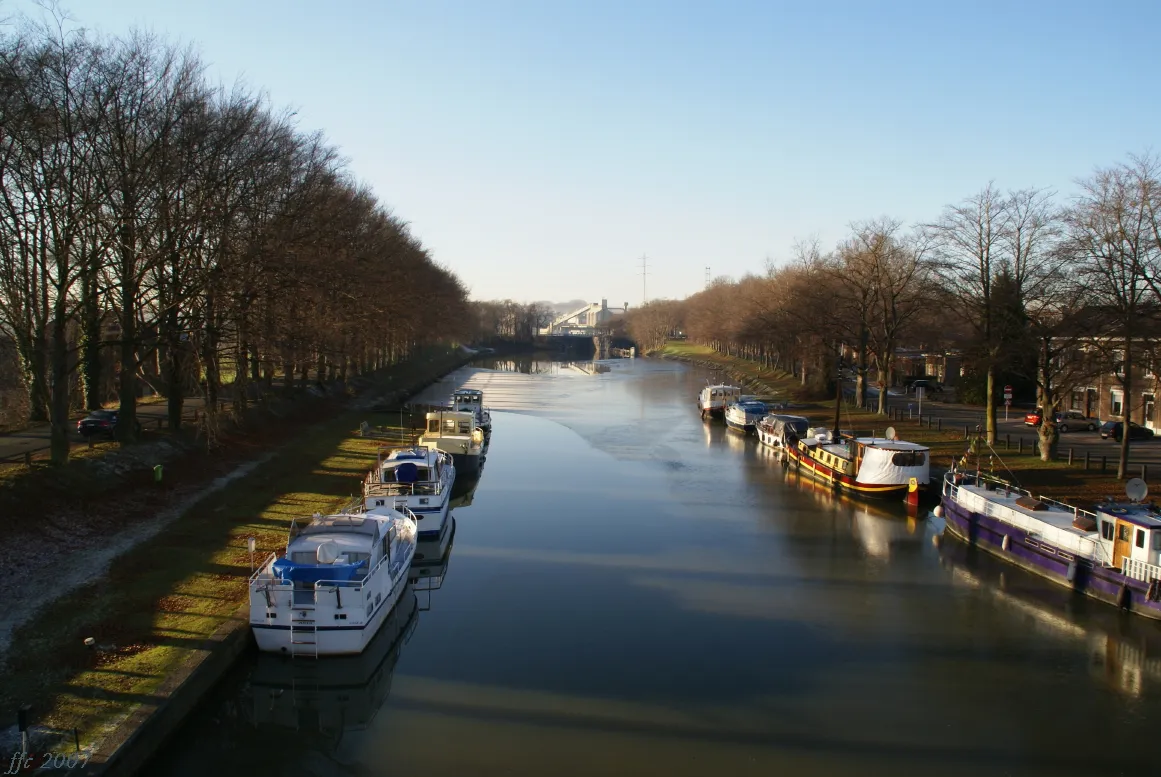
1110 240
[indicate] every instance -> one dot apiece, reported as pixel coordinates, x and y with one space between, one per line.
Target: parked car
1075 421
928 386
1066 420
100 423
1115 429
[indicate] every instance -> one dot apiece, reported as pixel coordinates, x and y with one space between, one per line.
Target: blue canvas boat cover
285 569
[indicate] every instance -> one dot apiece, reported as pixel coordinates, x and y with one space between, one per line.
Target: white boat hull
332 640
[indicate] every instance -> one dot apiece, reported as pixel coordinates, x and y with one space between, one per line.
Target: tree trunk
990 418
861 374
37 375
1126 412
90 325
59 434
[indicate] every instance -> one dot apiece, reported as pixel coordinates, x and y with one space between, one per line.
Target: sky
541 148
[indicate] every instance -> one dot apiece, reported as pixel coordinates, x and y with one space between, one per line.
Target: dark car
1115 429
101 423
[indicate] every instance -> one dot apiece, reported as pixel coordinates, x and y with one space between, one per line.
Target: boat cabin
333 550
450 423
719 396
406 471
1130 531
783 427
470 400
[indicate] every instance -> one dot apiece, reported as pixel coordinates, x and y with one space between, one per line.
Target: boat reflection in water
882 527
1124 652
330 702
430 566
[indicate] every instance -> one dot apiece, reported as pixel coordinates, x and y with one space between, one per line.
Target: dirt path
36 576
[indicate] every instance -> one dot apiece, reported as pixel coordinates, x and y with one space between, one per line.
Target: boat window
450 424
1123 533
465 427
1107 530
1140 538
422 474
909 458
1157 540
433 425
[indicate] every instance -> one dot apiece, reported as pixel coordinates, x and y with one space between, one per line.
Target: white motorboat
781 431
456 432
713 400
337 581
745 413
419 479
472 401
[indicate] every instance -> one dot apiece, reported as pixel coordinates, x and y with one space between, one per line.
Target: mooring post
966 433
1087 455
1007 441
939 424
28 459
1070 457
1144 472
1021 446
1104 462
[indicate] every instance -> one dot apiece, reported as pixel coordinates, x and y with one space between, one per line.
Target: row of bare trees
505 321
1022 283
157 229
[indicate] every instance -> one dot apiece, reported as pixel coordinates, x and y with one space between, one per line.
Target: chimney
604 304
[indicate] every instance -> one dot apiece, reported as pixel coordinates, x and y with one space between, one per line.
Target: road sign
1008 393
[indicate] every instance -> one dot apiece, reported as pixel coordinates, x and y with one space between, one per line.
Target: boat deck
1055 516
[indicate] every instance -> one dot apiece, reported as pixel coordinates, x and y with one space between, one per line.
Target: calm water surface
631 591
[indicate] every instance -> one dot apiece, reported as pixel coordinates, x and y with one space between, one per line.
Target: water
631 591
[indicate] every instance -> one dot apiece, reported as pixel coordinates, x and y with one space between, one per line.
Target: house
584 321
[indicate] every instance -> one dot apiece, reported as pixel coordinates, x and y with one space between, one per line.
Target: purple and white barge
1112 553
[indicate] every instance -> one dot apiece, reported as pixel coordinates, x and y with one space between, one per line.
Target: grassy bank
160 602
1056 479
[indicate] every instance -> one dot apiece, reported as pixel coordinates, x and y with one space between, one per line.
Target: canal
631 591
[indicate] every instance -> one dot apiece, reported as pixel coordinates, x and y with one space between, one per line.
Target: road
36 438
1146 452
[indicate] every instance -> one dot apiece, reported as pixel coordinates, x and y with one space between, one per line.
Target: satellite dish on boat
327 552
890 432
1136 490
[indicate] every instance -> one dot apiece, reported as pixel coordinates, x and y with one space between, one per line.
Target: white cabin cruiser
337 581
472 401
745 413
456 432
781 431
713 400
419 479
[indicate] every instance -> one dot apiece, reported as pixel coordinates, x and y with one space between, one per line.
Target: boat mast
838 395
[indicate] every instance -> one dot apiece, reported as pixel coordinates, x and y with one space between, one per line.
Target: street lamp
250 547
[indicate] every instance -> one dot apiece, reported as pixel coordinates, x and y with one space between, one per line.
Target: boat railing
373 487
1141 570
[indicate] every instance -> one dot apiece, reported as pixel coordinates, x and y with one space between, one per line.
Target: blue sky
539 149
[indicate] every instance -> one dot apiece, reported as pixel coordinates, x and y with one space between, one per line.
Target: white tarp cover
879 467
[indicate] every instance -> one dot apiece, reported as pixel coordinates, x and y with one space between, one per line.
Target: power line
707 277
